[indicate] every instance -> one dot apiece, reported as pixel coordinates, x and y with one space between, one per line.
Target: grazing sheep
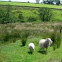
45 43
31 47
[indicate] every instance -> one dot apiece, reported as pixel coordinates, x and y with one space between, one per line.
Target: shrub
31 19
14 35
4 36
5 15
2 16
56 38
45 14
37 1
21 18
9 35
24 35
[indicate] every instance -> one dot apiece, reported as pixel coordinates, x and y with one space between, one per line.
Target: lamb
45 43
31 47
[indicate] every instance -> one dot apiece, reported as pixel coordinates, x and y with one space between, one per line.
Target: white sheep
31 47
45 43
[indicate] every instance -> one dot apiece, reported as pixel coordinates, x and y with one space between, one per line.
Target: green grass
31 4
31 12
57 14
14 52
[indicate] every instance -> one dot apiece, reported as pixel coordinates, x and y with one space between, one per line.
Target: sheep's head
49 40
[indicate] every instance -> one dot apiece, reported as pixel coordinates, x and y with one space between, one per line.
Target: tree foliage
37 1
5 15
45 14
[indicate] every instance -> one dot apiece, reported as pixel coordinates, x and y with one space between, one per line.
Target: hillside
13 32
30 14
31 4
15 52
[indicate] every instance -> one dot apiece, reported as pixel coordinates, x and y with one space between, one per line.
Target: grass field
32 12
31 4
15 52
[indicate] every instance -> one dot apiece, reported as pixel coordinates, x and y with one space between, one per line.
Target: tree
21 18
5 15
37 1
45 14
9 0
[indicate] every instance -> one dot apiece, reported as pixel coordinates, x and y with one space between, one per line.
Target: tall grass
56 37
9 34
33 34
24 36
13 33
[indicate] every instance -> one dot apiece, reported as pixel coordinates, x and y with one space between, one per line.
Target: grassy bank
15 52
12 35
31 4
29 14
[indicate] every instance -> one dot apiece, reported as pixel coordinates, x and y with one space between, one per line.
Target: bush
9 35
14 35
5 15
56 38
31 19
37 1
45 14
2 16
21 18
4 36
24 35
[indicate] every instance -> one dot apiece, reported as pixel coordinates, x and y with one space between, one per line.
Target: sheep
31 47
45 43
